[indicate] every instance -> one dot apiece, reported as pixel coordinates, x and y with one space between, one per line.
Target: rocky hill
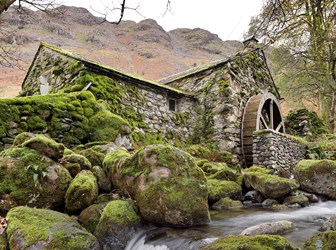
143 48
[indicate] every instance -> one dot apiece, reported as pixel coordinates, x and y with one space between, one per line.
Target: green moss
311 120
227 203
18 181
106 126
324 241
257 169
119 212
90 216
82 192
57 70
43 225
219 189
36 123
259 242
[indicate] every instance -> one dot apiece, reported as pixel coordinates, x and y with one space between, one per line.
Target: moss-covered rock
270 186
90 216
258 242
95 157
300 199
29 178
82 192
117 225
166 183
303 122
227 203
317 176
322 241
31 228
3 241
219 189
106 126
45 146
75 163
104 182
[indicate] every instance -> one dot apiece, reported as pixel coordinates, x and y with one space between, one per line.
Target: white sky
227 18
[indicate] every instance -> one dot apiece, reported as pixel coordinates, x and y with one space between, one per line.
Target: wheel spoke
264 122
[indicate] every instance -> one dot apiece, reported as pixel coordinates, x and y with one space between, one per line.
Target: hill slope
142 48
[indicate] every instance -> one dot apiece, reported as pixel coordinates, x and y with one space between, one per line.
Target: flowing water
307 221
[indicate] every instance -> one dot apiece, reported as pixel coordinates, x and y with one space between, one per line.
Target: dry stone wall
277 152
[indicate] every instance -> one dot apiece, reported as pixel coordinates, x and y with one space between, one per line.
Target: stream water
307 221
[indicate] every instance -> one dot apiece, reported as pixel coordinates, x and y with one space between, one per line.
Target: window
172 104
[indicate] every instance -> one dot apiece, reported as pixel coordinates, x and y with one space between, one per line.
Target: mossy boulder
104 182
321 241
219 189
75 163
29 178
300 199
270 186
227 203
117 225
31 228
106 126
82 192
303 122
317 176
45 146
258 242
95 157
169 188
90 216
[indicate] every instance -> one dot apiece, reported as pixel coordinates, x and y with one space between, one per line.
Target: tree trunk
332 112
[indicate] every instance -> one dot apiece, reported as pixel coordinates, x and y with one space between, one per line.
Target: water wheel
261 112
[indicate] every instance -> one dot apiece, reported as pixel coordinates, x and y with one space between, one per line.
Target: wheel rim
261 112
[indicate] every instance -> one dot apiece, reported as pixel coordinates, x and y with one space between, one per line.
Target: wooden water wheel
261 112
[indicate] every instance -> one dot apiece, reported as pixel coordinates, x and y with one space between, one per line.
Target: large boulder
82 192
117 225
270 186
169 188
29 178
317 176
258 242
325 240
31 228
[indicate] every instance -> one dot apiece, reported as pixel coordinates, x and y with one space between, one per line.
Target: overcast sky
227 18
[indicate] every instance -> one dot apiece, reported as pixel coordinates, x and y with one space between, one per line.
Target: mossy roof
216 64
116 72
194 71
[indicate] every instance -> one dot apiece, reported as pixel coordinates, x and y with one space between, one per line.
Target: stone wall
277 152
143 103
223 91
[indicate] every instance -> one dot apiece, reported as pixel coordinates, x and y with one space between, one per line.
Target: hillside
143 48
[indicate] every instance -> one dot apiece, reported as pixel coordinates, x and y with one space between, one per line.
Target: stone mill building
231 103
